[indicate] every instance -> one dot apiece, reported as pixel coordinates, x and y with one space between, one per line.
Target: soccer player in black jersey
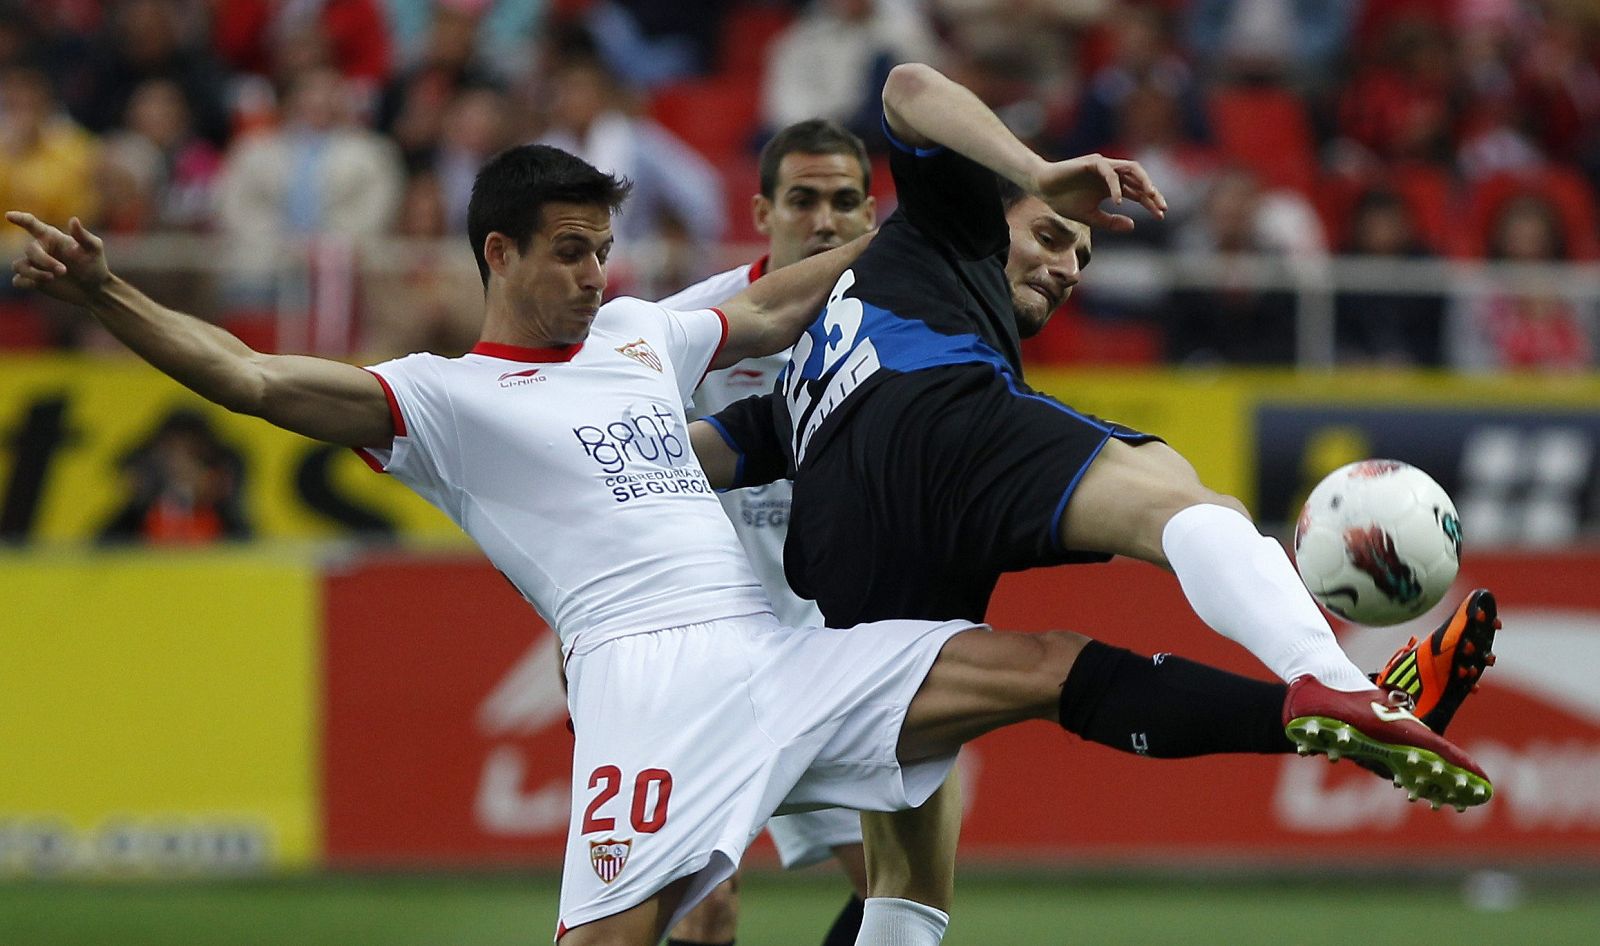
925 467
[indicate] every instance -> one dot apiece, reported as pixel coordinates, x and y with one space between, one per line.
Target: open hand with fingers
67 265
1076 188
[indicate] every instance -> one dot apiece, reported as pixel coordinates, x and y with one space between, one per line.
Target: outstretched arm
741 445
769 316
924 108
321 399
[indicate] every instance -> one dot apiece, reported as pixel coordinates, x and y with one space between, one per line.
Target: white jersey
573 472
760 514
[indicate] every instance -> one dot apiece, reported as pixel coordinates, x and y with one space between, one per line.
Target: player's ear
496 246
761 214
871 207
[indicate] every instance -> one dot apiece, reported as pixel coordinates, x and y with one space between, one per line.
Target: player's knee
714 919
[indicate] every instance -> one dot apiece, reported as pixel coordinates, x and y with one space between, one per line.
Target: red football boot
1377 730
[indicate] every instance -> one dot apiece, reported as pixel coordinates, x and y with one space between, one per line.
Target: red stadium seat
741 179
1428 191
747 31
1072 338
716 116
1566 190
1266 130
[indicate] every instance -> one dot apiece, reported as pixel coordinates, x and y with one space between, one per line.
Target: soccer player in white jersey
561 446
815 178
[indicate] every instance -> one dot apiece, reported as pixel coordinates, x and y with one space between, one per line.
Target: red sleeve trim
399 420
721 343
370 460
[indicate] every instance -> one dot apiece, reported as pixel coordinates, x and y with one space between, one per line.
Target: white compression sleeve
1243 585
887 921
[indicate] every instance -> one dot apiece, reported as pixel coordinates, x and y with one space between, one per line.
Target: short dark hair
1011 194
812 136
511 189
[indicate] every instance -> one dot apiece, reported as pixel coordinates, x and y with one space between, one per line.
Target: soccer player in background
815 179
925 467
561 446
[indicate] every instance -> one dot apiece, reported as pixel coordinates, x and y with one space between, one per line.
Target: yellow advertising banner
91 445
1212 417
82 439
158 713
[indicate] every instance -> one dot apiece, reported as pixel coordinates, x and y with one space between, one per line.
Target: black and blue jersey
923 464
929 291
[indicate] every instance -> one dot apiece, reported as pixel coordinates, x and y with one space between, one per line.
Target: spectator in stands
506 30
427 296
677 195
647 43
320 172
159 152
832 62
144 40
257 36
1227 317
1270 40
1150 125
46 159
183 486
475 127
1142 56
412 106
1401 105
1387 327
1528 321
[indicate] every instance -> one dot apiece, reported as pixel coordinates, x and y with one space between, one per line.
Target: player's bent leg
715 921
1146 501
1125 499
641 925
911 855
983 680
911 864
852 860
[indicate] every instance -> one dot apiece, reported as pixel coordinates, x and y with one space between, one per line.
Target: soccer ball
1378 542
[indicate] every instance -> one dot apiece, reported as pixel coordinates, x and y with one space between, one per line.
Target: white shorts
688 740
809 837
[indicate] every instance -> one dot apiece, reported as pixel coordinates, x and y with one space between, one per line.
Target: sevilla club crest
639 350
608 857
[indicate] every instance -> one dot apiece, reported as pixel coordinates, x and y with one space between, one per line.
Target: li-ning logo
608 857
639 350
529 376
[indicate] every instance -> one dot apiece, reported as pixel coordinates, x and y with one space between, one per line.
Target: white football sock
887 921
1243 585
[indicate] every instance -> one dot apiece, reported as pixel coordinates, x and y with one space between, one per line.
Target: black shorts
934 485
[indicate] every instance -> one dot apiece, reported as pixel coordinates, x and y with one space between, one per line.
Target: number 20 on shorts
648 815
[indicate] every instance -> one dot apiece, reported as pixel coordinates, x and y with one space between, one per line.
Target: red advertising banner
446 744
445 739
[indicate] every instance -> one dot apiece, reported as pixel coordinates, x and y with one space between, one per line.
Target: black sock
1168 707
844 929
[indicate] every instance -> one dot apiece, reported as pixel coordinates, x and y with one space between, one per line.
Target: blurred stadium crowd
319 154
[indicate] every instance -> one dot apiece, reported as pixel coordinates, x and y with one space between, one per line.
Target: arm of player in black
318 398
924 109
770 314
740 446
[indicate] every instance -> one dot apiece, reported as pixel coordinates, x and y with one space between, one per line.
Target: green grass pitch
1034 910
